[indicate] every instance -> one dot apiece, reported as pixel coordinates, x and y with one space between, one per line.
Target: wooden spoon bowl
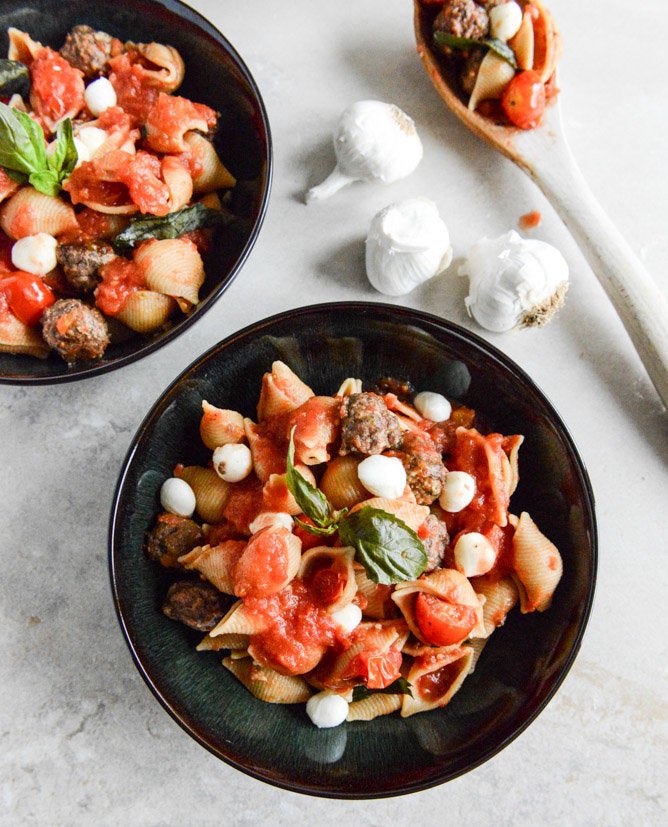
543 153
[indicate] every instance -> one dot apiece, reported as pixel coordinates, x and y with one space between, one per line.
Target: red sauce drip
530 220
434 685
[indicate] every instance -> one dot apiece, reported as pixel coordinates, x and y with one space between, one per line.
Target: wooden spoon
543 153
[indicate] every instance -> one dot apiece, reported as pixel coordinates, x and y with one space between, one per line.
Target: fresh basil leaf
310 499
65 156
399 687
389 550
174 225
14 78
499 47
17 152
319 531
45 181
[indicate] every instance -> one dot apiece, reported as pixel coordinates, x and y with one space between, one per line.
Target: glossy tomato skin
27 296
376 669
442 623
523 100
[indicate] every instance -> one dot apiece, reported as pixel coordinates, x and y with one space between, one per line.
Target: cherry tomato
27 296
442 623
523 100
377 669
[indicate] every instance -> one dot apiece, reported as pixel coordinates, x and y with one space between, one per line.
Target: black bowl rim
407 316
185 11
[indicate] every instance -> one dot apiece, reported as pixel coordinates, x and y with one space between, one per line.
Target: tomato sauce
57 89
120 278
434 685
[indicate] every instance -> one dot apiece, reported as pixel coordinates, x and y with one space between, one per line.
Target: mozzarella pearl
505 20
348 618
474 554
457 492
327 709
382 476
92 138
432 406
269 519
99 95
233 461
177 497
35 253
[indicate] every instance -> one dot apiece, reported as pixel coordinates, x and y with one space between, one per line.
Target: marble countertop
82 740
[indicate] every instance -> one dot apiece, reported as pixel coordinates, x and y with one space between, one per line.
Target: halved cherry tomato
27 296
377 669
523 100
442 623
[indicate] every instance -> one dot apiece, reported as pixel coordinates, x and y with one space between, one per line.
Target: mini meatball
197 604
423 462
171 538
435 538
463 18
89 51
367 426
75 330
80 264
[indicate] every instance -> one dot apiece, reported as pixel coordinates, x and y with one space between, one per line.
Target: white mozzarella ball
269 519
177 497
82 151
457 492
432 406
505 20
35 253
99 95
91 137
327 709
233 461
382 476
474 554
348 618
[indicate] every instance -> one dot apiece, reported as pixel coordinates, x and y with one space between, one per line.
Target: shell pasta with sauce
111 188
351 552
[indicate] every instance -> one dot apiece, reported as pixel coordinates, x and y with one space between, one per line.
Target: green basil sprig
497 46
173 225
23 151
14 78
389 550
399 687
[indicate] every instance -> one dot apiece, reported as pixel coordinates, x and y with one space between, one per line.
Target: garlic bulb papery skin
373 141
408 243
514 282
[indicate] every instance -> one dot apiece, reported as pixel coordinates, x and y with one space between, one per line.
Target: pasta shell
178 182
219 426
338 562
211 492
409 512
537 564
268 563
267 684
546 42
7 185
29 212
239 621
224 641
378 596
17 337
316 424
145 311
213 174
268 458
21 46
172 266
340 483
276 495
494 75
170 70
373 707
435 678
522 42
499 598
448 585
349 386
216 563
282 391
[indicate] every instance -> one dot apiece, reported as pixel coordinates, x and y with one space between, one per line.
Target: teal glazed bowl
215 75
524 662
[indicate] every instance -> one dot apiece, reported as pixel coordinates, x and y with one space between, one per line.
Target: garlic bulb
408 243
374 141
514 282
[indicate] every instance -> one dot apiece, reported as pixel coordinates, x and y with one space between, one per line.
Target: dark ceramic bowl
215 75
522 665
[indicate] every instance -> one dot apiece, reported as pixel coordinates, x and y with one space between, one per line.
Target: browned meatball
435 538
80 263
463 18
89 51
423 462
367 426
74 330
171 538
196 603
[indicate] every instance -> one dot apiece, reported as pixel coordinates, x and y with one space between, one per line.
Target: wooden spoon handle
640 304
